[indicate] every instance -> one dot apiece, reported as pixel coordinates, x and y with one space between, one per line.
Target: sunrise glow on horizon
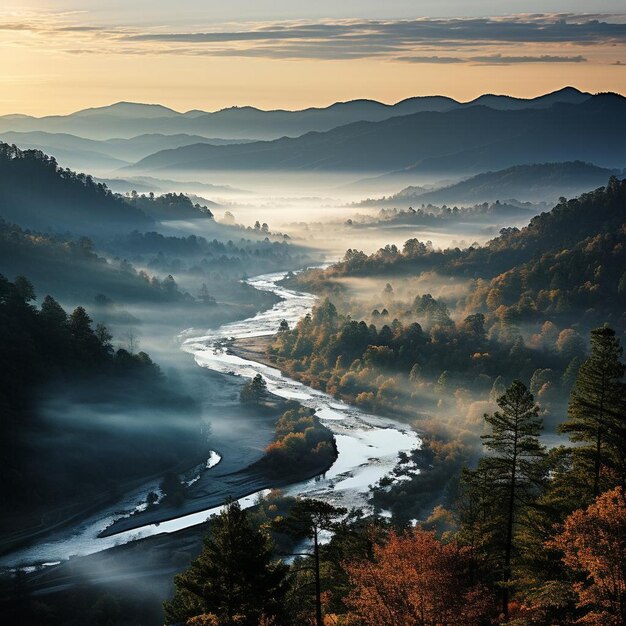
61 57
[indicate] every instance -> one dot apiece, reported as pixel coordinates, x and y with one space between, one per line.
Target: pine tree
234 577
596 412
53 313
515 464
307 519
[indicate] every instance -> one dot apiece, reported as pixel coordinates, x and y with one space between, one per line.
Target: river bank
367 445
212 489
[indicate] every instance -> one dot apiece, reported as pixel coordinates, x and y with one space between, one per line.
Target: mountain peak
128 108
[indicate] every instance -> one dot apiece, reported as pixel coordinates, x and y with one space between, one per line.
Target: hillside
61 200
470 139
584 284
48 260
566 267
125 119
536 182
61 384
170 206
599 212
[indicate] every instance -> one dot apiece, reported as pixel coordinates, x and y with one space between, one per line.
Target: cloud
411 41
405 40
498 59
431 59
398 33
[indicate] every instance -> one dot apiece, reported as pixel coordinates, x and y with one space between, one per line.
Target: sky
60 56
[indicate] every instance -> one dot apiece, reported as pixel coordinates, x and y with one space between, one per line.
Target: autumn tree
593 542
415 580
234 578
596 412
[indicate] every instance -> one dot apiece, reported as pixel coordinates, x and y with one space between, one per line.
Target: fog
97 438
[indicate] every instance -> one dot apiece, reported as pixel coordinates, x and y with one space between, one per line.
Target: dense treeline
199 256
445 216
63 387
422 352
168 206
61 199
48 260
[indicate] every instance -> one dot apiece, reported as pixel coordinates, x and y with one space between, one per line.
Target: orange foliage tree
593 542
415 580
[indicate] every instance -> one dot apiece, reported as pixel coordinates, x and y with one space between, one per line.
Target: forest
512 510
533 536
60 379
326 411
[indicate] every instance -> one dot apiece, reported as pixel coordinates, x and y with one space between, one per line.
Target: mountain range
464 140
127 119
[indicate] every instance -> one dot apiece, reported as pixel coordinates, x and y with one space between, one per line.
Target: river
368 445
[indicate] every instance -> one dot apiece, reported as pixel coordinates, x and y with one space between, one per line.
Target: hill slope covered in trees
36 193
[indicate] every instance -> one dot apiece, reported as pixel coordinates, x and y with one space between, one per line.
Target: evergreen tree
53 313
234 578
596 412
307 519
25 288
515 464
479 510
415 375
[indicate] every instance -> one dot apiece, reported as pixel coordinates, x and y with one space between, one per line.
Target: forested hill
49 260
36 193
169 206
63 388
568 223
567 266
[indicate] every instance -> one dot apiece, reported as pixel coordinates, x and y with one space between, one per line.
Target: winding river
368 445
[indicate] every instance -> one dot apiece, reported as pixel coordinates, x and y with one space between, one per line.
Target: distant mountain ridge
126 119
536 182
465 140
110 154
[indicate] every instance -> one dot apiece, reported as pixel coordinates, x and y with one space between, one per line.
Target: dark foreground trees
597 412
507 479
234 579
